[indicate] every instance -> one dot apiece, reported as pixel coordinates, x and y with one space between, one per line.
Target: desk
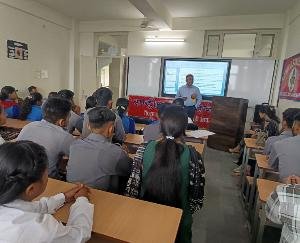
264 189
134 139
15 123
198 146
250 143
122 218
261 167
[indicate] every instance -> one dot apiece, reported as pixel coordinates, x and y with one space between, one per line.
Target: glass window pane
238 45
266 45
213 45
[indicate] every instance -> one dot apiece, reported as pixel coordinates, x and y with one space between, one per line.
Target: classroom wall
291 48
48 43
192 47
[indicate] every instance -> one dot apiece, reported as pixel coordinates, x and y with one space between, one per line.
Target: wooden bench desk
15 123
261 167
124 219
134 139
250 143
264 189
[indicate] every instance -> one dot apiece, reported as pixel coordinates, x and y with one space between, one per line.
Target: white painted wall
48 45
290 47
192 47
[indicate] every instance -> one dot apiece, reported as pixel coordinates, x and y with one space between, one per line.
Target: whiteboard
251 79
143 76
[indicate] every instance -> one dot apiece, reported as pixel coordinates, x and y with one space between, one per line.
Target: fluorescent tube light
164 39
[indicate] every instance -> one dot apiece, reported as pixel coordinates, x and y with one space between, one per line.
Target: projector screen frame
205 97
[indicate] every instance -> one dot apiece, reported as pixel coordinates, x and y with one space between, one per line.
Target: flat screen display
210 76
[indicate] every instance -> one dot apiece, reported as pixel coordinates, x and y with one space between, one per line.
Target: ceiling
123 9
94 9
199 8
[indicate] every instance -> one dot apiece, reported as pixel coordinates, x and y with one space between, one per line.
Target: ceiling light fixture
161 39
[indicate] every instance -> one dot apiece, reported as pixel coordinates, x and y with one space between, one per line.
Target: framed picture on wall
17 50
290 80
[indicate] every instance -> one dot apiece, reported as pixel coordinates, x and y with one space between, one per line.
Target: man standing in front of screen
191 96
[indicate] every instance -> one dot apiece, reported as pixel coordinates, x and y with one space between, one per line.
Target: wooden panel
15 123
228 122
122 218
265 188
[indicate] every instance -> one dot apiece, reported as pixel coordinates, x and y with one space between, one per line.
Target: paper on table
199 133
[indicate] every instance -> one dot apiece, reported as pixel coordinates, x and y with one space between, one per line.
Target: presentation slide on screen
209 76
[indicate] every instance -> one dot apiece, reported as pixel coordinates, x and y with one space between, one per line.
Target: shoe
237 170
234 151
236 162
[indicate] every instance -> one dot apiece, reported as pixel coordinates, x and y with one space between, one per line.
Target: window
238 45
210 76
241 44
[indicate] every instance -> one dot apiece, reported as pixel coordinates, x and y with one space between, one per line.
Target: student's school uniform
271 140
128 124
152 131
75 122
53 138
119 129
285 157
36 113
11 108
1 140
32 222
98 163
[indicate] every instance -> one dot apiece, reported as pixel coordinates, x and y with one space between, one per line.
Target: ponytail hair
122 106
27 104
21 164
163 181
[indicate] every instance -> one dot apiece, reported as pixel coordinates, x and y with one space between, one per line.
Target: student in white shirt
23 177
2 121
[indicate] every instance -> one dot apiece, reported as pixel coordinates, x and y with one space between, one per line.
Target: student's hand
83 192
70 195
77 109
125 148
293 180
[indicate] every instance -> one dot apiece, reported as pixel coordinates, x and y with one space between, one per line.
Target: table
264 189
250 143
198 146
15 123
134 139
261 167
124 219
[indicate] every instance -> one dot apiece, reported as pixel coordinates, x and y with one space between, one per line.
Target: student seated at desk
95 161
169 173
23 177
2 121
90 102
152 131
75 121
50 132
283 207
269 127
9 101
191 125
122 109
52 94
103 98
285 154
31 108
32 89
287 123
